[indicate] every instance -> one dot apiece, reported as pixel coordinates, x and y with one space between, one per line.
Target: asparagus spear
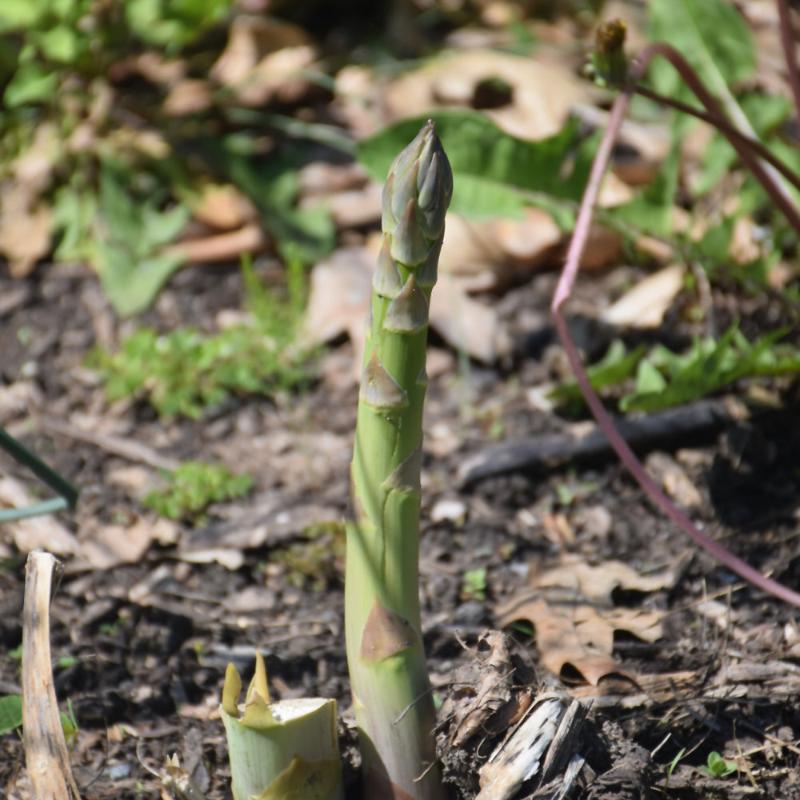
391 692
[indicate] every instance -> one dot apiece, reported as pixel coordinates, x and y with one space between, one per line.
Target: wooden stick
586 442
46 753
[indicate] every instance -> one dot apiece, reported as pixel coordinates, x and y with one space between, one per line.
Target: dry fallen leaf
570 608
110 545
224 207
44 532
189 96
264 58
596 583
580 637
494 253
339 301
540 97
25 227
645 305
221 246
491 692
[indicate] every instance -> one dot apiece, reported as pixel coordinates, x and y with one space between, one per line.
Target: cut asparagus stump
285 750
391 692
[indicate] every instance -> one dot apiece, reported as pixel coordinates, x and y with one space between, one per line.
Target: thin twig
567 281
789 51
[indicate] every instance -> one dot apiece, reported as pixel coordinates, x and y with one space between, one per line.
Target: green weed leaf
719 767
127 256
711 35
615 367
10 713
195 485
668 379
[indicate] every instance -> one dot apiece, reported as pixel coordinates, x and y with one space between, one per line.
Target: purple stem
775 190
789 51
562 293
725 127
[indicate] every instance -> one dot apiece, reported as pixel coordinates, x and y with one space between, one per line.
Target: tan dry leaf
339 297
264 58
189 96
466 324
339 302
645 305
580 636
596 583
44 532
25 227
542 93
570 608
111 545
220 246
224 207
250 38
494 253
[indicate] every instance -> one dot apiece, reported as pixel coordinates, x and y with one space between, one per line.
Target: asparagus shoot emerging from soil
283 750
391 693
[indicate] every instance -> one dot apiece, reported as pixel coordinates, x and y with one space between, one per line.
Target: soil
140 648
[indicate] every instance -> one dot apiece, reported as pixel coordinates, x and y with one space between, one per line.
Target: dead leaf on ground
491 691
541 94
466 324
25 226
223 206
110 545
339 301
571 610
189 96
645 305
596 583
44 532
264 58
494 253
220 246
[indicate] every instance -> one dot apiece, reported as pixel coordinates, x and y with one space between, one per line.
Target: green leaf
304 234
10 713
649 379
766 112
31 84
127 256
495 174
711 35
615 367
668 379
719 767
195 485
173 22
58 44
19 14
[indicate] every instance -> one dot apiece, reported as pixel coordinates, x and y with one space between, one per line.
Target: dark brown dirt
140 648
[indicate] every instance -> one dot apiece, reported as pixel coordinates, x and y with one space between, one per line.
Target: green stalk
391 692
287 750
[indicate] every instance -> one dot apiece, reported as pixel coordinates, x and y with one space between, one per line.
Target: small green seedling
719 767
473 586
11 717
194 486
10 713
185 372
673 765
